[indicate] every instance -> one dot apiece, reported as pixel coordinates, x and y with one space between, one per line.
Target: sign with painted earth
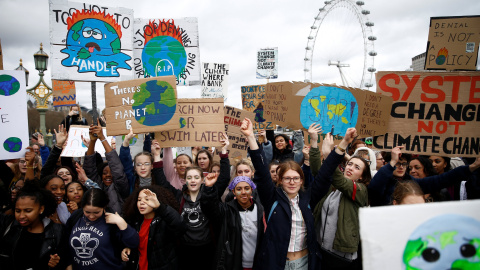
330 107
169 60
444 242
154 112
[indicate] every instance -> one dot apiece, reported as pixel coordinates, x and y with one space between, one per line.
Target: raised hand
396 154
151 199
128 137
247 127
313 131
211 179
306 152
225 142
41 140
54 260
61 136
85 140
350 135
327 145
82 176
96 131
156 148
125 254
262 136
30 157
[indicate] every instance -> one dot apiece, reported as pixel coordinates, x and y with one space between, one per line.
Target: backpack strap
271 210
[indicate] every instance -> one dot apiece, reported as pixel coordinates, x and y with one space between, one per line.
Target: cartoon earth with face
93 44
444 242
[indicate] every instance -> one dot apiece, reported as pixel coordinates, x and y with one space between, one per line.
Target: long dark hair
164 196
366 174
72 173
428 168
210 158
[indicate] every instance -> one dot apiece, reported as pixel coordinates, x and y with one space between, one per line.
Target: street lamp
41 91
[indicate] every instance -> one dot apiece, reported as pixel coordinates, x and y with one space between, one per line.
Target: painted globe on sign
155 103
8 85
12 144
444 242
163 56
132 141
329 106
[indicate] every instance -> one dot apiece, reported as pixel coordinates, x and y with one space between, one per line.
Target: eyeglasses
295 179
404 164
22 161
141 164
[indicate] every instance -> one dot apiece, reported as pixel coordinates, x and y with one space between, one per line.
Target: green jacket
354 196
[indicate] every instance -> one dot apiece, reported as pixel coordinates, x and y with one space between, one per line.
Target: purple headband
239 179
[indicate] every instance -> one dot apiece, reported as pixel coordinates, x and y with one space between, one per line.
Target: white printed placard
75 146
215 80
13 114
267 63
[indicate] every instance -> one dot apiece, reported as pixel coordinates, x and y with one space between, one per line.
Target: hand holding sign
225 143
128 137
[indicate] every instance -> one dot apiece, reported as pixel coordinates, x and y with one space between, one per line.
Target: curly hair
428 168
41 196
164 196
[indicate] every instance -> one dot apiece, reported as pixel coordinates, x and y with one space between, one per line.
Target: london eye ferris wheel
342 38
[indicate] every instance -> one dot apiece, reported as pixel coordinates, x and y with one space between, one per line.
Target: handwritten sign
147 105
165 47
267 63
64 93
215 80
90 42
415 236
201 122
253 100
233 121
75 146
433 113
453 43
13 114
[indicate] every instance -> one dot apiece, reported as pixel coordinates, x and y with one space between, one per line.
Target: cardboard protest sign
433 113
165 47
64 93
201 124
238 144
90 42
253 100
135 144
421 236
75 146
215 80
298 105
453 43
147 105
267 63
13 114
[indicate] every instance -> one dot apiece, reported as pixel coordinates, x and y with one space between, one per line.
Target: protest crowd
288 204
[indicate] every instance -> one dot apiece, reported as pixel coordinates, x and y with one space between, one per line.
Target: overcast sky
231 32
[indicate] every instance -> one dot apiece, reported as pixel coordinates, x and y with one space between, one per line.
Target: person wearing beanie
239 223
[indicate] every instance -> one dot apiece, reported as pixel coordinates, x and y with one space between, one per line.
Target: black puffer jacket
54 243
166 228
228 225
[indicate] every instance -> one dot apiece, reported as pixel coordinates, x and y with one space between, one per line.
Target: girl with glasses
289 241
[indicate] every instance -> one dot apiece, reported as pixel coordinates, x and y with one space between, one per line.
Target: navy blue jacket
273 251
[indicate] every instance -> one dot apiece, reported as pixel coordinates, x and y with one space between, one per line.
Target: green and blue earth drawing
330 107
8 85
12 144
444 242
94 46
132 141
163 56
159 101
